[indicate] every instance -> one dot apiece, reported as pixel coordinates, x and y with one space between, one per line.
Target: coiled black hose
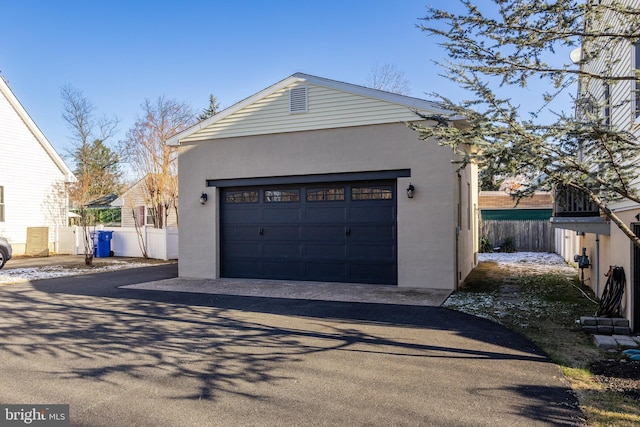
611 301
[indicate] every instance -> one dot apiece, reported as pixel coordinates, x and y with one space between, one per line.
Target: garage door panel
325 214
324 233
281 233
242 233
251 269
282 215
243 250
371 213
371 233
291 251
325 271
325 251
373 273
367 252
242 216
282 269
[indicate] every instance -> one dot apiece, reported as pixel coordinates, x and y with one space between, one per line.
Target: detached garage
318 180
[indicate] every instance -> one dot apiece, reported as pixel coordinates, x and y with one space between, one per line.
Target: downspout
458 230
457 272
597 265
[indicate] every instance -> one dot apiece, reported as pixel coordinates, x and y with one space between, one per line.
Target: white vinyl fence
125 241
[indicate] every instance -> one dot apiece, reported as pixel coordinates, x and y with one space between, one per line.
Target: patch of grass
482 278
544 308
605 408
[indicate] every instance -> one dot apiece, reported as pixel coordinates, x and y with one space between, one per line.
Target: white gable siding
328 108
34 186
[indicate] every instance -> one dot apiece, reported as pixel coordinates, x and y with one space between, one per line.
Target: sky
119 53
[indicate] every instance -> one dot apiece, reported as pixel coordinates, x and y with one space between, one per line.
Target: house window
1 203
150 220
149 217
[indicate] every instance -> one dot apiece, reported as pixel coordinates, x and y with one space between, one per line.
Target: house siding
34 185
132 199
613 249
614 59
327 108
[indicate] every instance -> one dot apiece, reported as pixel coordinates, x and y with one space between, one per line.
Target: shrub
508 245
485 244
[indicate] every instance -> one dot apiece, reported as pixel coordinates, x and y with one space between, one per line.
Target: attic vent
298 100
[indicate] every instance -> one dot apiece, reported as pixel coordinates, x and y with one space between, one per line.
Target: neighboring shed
33 178
308 180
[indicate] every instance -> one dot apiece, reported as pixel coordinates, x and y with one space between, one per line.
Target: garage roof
304 102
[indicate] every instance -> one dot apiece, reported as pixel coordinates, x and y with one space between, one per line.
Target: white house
617 101
33 179
319 180
134 204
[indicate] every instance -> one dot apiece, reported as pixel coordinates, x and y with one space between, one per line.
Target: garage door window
321 194
242 197
372 193
282 195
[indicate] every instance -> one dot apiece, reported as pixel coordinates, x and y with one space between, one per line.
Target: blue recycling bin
103 248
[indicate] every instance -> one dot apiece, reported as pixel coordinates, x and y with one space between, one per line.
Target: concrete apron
322 291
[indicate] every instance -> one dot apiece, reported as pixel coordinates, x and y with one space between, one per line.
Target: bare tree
155 161
389 78
96 165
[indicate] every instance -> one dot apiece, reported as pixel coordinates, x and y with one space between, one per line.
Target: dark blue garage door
344 232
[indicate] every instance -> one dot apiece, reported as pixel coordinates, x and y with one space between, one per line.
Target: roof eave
37 133
414 104
176 139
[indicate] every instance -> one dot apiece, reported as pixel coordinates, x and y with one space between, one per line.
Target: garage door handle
347 231
261 231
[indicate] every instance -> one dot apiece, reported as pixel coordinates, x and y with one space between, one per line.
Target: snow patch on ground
525 307
529 262
18 275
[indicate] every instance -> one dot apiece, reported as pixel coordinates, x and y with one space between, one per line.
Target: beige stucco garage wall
426 224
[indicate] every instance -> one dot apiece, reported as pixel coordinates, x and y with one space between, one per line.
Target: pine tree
501 52
211 110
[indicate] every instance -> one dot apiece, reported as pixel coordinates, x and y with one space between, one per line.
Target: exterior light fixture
203 198
410 190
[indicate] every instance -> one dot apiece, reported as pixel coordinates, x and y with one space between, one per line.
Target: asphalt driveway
136 357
